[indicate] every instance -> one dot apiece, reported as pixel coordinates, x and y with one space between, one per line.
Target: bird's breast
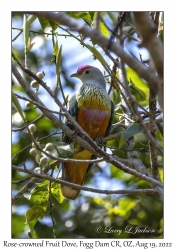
93 121
92 97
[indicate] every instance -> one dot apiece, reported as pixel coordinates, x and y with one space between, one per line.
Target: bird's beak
75 75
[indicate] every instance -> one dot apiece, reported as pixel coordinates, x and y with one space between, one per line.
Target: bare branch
46 177
34 121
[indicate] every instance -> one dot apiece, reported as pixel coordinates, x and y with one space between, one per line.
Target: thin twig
111 57
122 18
17 35
39 105
40 33
132 38
22 180
34 121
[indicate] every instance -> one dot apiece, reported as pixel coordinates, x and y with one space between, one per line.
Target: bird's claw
99 140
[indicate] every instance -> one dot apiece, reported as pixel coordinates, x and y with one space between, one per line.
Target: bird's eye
87 71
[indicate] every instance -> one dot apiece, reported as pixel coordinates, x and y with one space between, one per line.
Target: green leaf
20 221
17 105
34 213
55 49
112 17
126 29
40 187
84 15
118 174
54 25
132 130
104 30
26 34
97 54
138 93
140 146
44 22
32 233
40 195
124 208
102 27
58 61
121 140
44 124
139 88
41 199
56 192
92 13
31 19
66 151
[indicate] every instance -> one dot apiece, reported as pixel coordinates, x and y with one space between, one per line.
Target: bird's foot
99 140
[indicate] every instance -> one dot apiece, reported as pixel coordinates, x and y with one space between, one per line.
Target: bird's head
90 75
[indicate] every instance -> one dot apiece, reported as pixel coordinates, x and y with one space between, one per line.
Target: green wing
73 106
73 110
111 120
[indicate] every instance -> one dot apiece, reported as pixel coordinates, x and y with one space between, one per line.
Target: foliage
42 211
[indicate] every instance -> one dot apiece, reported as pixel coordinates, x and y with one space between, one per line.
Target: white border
5 97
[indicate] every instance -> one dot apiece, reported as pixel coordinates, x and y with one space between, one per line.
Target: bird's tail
75 172
67 191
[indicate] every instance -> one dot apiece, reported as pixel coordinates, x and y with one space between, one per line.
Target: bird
93 110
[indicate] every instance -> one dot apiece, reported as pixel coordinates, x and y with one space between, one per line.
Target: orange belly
94 121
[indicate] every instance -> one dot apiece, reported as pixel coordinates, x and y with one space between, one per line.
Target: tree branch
102 41
94 190
148 30
152 128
